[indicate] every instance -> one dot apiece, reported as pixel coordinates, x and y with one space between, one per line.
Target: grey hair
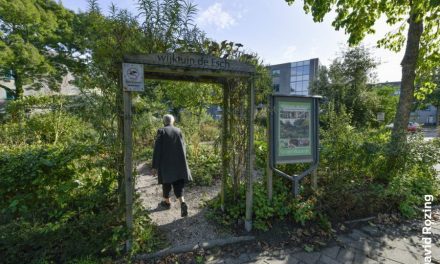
168 119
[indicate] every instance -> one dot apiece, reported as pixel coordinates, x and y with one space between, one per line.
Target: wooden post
128 168
225 163
250 159
269 171
315 179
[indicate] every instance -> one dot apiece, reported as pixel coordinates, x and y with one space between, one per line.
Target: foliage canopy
37 43
422 51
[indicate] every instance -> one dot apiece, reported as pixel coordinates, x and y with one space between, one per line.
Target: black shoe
184 210
165 205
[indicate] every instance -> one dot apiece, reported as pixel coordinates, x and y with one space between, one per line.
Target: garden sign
294 133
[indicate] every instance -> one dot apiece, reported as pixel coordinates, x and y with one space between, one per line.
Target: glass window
305 85
305 77
276 73
300 63
307 62
294 71
276 87
305 69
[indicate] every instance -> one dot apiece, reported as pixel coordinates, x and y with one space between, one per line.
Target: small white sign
380 116
133 77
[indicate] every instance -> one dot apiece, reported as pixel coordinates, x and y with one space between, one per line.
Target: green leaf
308 248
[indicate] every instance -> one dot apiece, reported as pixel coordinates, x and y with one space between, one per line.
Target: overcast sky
278 33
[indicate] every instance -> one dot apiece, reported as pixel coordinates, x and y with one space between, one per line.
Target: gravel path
180 231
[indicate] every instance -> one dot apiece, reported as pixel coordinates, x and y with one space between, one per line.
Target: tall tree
422 51
35 42
345 85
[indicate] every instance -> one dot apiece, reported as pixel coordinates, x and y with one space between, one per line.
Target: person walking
170 164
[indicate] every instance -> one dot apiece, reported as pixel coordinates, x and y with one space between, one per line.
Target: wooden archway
195 68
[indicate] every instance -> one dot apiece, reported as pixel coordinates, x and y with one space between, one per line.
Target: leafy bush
261 150
354 169
204 163
58 189
209 131
417 178
52 192
39 181
46 128
283 206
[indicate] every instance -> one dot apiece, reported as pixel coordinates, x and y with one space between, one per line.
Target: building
294 77
7 90
427 116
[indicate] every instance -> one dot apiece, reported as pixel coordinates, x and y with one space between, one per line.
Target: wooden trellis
194 68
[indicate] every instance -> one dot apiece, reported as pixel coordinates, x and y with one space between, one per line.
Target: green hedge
57 203
39 182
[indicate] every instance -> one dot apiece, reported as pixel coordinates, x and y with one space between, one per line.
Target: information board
294 133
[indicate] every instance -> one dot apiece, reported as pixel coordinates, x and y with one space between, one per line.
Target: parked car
412 127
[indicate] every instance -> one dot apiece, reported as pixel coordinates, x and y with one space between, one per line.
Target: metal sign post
294 124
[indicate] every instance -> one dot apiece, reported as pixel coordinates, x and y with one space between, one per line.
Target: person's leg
178 191
166 189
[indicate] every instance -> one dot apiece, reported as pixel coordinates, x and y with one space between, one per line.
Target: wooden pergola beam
194 68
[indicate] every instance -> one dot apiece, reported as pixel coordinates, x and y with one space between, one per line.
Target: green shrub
37 182
261 150
60 203
353 169
46 128
209 132
204 163
283 206
58 194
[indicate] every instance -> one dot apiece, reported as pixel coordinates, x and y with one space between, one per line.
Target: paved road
430 133
367 245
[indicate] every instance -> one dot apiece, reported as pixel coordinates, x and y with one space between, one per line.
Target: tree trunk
18 85
409 65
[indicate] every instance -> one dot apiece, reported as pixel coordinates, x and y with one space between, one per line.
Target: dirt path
180 231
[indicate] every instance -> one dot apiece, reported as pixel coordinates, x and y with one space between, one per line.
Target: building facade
294 78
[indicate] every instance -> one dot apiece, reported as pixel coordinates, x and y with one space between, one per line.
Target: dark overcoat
169 156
